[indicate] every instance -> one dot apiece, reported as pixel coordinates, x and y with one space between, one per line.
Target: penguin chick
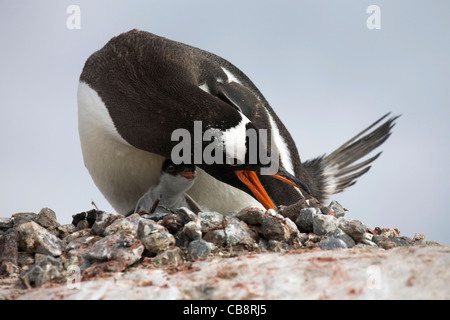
169 193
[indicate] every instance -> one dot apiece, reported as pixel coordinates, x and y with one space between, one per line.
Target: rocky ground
300 252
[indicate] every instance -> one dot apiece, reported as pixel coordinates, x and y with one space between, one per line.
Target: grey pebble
210 221
238 233
47 218
200 249
218 237
322 224
354 228
304 219
6 223
104 219
274 228
157 242
332 243
339 234
45 270
35 238
251 215
339 211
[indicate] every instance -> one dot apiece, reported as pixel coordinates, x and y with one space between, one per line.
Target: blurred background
324 72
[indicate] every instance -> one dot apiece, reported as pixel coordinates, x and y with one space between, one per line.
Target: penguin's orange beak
250 179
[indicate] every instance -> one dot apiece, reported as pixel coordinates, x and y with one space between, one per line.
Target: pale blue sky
325 74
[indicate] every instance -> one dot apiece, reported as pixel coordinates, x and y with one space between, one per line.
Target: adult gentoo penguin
140 88
169 192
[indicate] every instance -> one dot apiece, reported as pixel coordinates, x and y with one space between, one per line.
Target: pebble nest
41 251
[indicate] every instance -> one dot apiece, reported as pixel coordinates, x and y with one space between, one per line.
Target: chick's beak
188 174
250 179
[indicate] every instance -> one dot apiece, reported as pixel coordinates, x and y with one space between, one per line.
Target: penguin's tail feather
335 172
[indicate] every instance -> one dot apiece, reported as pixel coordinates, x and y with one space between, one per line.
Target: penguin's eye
171 169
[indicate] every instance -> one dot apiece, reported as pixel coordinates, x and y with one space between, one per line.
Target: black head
186 170
251 157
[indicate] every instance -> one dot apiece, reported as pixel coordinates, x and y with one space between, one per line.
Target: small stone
339 234
402 241
157 242
339 211
103 220
210 221
47 218
126 225
65 230
292 211
192 230
390 232
314 237
430 243
392 242
157 215
369 243
293 229
168 257
277 246
366 245
331 244
312 240
34 238
70 263
274 228
172 222
77 234
384 243
97 268
237 232
326 210
308 244
82 243
322 224
6 223
186 215
9 253
419 237
83 224
25 259
251 215
200 249
46 269
354 228
23 217
304 219
122 247
302 237
217 237
368 236
147 227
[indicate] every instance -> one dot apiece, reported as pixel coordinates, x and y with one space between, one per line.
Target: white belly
124 173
